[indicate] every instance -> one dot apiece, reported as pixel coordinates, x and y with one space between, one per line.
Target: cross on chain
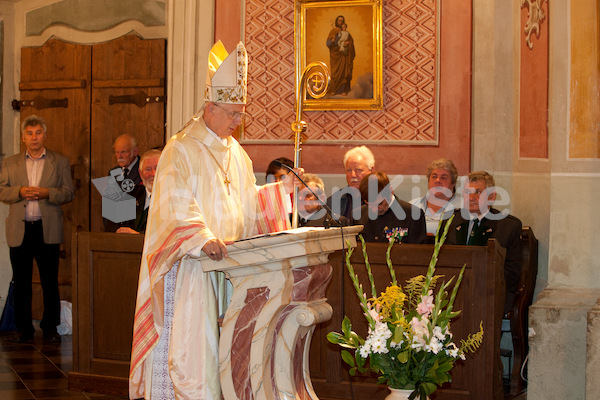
317 82
227 182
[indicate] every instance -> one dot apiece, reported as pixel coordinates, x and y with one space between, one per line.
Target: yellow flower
393 297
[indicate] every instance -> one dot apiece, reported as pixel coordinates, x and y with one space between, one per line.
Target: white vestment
192 204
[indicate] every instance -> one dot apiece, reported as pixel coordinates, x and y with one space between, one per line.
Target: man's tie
125 172
474 231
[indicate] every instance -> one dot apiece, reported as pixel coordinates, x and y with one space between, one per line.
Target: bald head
126 149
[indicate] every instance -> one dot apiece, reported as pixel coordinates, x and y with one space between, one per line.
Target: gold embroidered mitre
227 75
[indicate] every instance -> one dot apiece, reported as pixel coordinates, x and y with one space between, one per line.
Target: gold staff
314 81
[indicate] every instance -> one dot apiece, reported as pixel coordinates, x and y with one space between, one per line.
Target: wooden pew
480 298
105 276
519 315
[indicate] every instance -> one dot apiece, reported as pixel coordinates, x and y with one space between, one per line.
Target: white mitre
227 75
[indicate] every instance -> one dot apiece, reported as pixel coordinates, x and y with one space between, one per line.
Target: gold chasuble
203 190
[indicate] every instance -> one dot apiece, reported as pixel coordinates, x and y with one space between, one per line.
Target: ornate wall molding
81 15
535 17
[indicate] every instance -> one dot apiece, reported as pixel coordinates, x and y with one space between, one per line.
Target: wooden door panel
129 57
125 72
55 61
59 71
146 124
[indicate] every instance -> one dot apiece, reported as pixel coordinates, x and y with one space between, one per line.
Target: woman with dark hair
340 61
275 172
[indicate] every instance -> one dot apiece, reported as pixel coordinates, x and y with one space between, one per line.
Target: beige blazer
56 176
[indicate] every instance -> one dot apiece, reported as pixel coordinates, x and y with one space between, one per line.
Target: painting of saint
346 36
341 56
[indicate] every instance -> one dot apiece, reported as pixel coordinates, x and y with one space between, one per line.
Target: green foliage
409 344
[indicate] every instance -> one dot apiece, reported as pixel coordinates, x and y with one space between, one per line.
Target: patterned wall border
410 71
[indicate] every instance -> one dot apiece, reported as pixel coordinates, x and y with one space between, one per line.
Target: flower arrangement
409 343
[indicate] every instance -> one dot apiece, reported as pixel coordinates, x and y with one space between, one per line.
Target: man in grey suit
35 183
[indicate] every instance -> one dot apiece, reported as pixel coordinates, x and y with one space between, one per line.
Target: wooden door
89 95
128 96
55 85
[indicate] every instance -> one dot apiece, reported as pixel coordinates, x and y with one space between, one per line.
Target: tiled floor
38 370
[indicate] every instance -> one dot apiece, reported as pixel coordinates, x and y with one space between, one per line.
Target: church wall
497 40
332 132
561 318
8 125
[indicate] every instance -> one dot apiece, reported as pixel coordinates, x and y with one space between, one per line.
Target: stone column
191 30
557 343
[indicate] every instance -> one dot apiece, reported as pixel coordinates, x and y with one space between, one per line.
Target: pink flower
374 313
426 304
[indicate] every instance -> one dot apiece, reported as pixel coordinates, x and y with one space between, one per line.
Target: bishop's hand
215 249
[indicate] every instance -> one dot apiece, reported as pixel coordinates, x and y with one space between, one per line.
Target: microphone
327 208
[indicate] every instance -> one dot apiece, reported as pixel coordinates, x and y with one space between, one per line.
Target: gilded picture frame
354 58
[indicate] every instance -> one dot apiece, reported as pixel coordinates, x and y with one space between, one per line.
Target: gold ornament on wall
535 17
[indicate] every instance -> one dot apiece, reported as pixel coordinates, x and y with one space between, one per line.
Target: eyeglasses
232 114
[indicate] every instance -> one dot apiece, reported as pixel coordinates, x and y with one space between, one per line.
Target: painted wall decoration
409 79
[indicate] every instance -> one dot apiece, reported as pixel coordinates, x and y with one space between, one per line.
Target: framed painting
347 37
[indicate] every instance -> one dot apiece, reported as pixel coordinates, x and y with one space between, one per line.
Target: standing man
358 163
204 196
35 183
478 221
126 153
148 165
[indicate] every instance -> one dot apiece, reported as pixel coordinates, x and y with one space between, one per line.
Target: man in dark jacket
477 222
385 217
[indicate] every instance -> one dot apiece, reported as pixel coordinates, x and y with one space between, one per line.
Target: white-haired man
204 196
143 193
358 163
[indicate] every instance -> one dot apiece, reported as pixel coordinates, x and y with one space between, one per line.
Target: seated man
440 201
477 222
142 193
385 217
310 209
126 154
358 162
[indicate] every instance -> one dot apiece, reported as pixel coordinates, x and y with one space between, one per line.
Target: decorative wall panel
533 102
409 79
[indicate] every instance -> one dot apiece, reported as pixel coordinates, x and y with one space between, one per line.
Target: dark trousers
46 257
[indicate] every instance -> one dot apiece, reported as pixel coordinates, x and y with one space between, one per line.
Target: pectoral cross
227 182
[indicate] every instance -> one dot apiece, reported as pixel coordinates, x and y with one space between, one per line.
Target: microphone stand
315 80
